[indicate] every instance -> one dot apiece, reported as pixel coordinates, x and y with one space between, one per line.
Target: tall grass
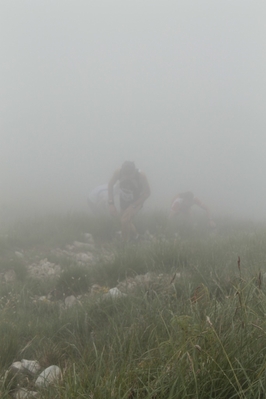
197 331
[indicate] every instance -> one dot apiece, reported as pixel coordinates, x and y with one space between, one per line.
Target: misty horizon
177 88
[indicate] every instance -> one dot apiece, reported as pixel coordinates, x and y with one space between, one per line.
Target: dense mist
178 87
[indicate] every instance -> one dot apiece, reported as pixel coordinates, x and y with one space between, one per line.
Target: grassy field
194 328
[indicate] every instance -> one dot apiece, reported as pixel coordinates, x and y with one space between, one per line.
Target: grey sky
177 86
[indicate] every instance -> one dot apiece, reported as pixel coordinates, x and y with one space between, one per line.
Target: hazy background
176 86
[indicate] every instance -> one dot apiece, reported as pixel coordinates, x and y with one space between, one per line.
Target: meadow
191 322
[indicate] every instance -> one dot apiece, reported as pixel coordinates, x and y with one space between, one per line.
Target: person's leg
133 231
127 227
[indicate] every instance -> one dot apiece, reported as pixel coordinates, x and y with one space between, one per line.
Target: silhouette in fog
98 199
134 190
182 205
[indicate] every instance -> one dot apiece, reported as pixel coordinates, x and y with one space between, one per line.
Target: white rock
82 257
83 245
49 376
44 269
148 277
70 301
144 278
70 247
115 293
89 238
95 289
50 271
10 276
43 262
19 254
24 394
33 366
16 366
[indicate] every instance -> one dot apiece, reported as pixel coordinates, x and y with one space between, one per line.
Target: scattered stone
148 280
33 366
83 258
106 256
69 247
89 238
97 289
19 254
60 252
50 375
22 393
144 278
44 269
70 301
83 245
10 276
114 293
16 366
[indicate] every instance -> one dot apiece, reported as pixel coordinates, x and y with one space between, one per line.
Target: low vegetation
194 328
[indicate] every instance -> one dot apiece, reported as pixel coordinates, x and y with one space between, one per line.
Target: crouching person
134 190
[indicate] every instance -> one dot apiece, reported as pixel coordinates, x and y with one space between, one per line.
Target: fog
176 86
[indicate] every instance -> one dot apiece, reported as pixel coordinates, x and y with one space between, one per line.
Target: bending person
182 205
134 190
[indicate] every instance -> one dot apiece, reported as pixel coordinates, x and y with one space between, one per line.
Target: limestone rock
50 375
44 269
10 276
89 238
33 366
83 258
16 366
83 245
70 301
22 393
19 254
114 293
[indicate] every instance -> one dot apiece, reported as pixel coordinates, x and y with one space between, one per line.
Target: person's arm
111 184
173 201
174 207
206 209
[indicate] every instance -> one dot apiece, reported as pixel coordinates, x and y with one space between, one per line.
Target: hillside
170 316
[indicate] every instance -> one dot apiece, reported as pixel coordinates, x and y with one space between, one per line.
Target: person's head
188 197
128 170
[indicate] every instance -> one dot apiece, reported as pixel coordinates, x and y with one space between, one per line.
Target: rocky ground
84 253
38 265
